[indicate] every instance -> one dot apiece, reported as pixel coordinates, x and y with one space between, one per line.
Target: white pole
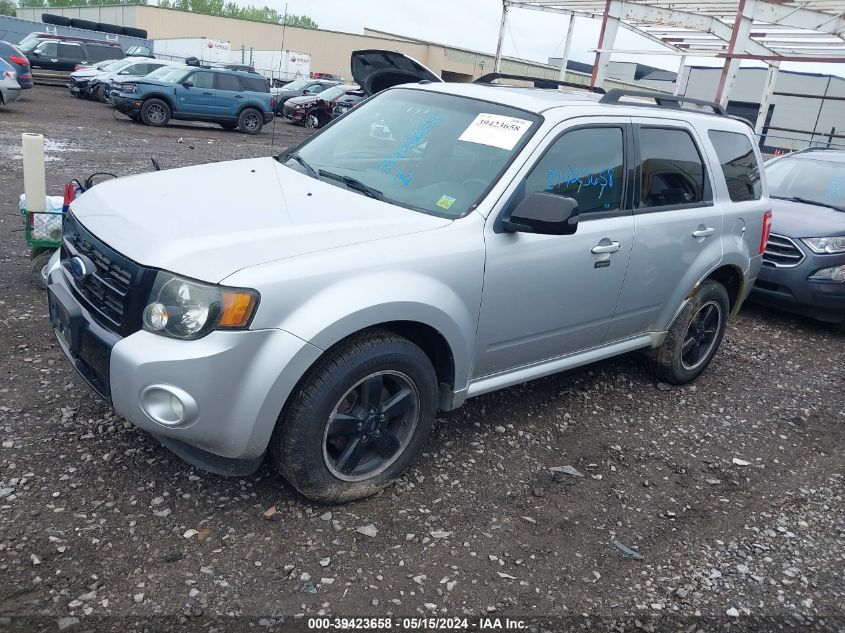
566 47
498 63
768 90
680 75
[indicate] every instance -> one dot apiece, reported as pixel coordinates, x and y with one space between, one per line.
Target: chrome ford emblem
78 269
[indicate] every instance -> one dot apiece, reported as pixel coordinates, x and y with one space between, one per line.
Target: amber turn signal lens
238 307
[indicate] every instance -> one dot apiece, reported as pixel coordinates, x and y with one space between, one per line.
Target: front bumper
791 289
130 106
232 384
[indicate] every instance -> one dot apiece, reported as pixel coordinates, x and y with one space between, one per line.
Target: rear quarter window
739 164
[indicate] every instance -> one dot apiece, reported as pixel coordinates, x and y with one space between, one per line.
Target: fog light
155 316
168 405
835 273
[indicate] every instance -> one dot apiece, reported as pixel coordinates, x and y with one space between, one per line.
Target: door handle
208 93
239 96
598 249
705 232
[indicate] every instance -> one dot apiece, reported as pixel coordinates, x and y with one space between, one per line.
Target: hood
797 219
376 70
85 73
180 221
304 100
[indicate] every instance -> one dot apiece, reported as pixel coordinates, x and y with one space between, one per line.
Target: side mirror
36 53
544 213
187 84
123 72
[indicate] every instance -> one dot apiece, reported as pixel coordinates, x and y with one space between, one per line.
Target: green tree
7 7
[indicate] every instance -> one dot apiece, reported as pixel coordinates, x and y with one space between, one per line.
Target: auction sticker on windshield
495 130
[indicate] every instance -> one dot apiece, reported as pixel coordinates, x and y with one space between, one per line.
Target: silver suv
438 242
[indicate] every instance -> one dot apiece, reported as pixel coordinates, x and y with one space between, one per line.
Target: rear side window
98 53
71 51
222 81
584 164
739 164
672 170
255 84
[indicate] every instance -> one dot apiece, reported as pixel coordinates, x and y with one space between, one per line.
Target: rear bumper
11 94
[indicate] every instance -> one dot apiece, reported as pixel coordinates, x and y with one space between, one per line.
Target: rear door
678 226
70 55
230 94
198 97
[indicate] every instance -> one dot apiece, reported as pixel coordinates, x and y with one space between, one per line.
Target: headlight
835 273
128 87
826 244
186 309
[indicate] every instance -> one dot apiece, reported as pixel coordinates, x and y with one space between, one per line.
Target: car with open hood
300 88
314 111
148 69
79 81
438 242
804 261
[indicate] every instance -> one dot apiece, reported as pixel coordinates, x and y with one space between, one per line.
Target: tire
133 32
313 122
155 112
229 126
37 265
331 399
99 93
250 121
52 18
109 28
88 25
695 336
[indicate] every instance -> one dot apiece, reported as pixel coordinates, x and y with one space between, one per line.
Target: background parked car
314 111
10 90
347 101
129 67
233 99
162 73
16 58
53 58
84 81
804 262
299 88
328 76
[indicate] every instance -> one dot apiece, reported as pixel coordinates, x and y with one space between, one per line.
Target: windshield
331 93
168 73
427 151
111 64
299 84
813 179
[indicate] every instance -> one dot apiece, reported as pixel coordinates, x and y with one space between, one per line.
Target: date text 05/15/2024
417 624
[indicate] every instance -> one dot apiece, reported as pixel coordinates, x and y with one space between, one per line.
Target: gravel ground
593 499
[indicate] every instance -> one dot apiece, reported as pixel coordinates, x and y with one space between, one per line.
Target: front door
198 98
547 296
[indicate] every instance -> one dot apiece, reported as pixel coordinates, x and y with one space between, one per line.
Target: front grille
782 252
115 290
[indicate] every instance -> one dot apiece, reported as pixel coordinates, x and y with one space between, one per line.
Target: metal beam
801 18
680 75
607 38
768 91
738 41
497 66
565 56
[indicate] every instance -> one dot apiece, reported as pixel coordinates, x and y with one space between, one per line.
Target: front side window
202 80
815 180
672 171
739 164
431 152
312 90
48 49
584 164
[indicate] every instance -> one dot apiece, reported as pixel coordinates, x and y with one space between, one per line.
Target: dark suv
804 263
231 98
54 57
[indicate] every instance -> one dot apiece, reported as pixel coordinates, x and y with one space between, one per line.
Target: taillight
20 61
8 74
70 194
272 103
78 67
767 228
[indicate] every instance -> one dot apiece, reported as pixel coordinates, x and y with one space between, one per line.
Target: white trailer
281 65
204 49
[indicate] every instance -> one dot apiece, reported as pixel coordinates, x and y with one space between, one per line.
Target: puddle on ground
12 151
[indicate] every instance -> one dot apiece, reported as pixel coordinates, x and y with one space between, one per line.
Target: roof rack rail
662 100
539 82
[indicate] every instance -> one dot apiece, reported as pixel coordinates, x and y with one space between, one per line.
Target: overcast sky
475 24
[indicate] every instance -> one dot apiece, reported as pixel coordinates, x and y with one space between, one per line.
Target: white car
10 89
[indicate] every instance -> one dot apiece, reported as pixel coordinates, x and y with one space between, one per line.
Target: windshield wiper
817 203
353 183
295 156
